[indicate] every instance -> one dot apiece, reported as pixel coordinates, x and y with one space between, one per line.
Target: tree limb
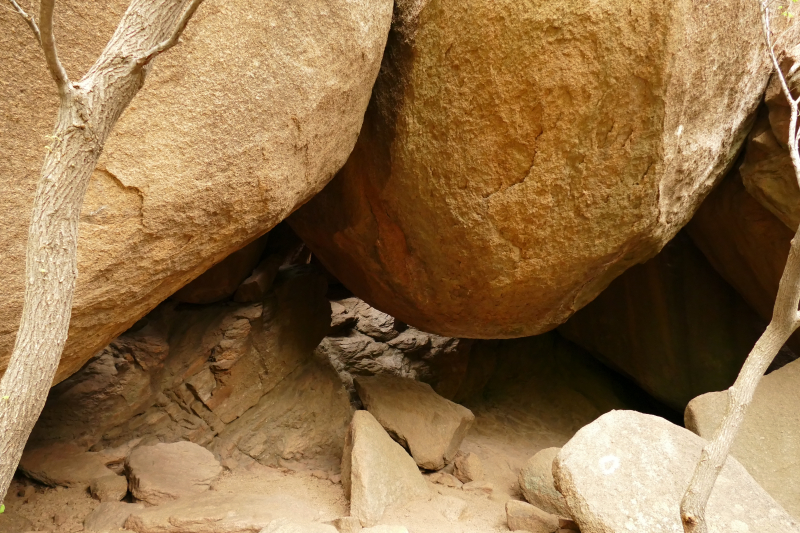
163 46
29 19
48 41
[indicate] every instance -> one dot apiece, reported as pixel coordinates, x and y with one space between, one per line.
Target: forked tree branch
29 19
163 46
48 41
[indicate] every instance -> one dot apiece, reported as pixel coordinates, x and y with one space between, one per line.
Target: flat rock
522 516
537 485
448 480
376 471
111 488
64 464
166 472
178 188
627 471
110 516
768 443
283 525
213 512
429 426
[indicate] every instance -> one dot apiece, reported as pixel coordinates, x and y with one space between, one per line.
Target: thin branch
49 46
29 19
163 46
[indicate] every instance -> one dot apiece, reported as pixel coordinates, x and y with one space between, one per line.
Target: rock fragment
468 467
165 472
429 426
110 516
64 464
376 471
111 488
523 516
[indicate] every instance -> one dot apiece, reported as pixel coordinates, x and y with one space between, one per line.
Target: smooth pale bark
785 320
88 111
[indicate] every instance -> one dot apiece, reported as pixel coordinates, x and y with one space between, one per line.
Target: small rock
59 519
111 488
165 472
376 471
523 516
568 525
335 479
537 485
374 323
283 525
451 508
448 480
110 516
479 486
63 465
628 471
468 467
319 474
347 524
431 427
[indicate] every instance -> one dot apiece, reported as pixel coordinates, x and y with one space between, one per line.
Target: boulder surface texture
249 118
430 427
496 188
166 472
628 471
768 443
376 471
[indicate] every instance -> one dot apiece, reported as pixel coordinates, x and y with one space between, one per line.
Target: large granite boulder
627 471
497 188
768 444
672 324
234 129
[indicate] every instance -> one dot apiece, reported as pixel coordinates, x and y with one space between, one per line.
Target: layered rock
672 324
238 378
233 130
768 443
430 427
472 142
628 471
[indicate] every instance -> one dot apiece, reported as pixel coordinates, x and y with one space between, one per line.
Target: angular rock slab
768 443
376 471
197 166
537 484
429 426
627 471
63 464
521 516
166 472
471 142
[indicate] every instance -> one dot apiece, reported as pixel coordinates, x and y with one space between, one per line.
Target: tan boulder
521 516
497 188
768 444
235 128
537 485
672 324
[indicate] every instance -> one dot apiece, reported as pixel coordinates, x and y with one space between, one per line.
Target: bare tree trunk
785 320
88 111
